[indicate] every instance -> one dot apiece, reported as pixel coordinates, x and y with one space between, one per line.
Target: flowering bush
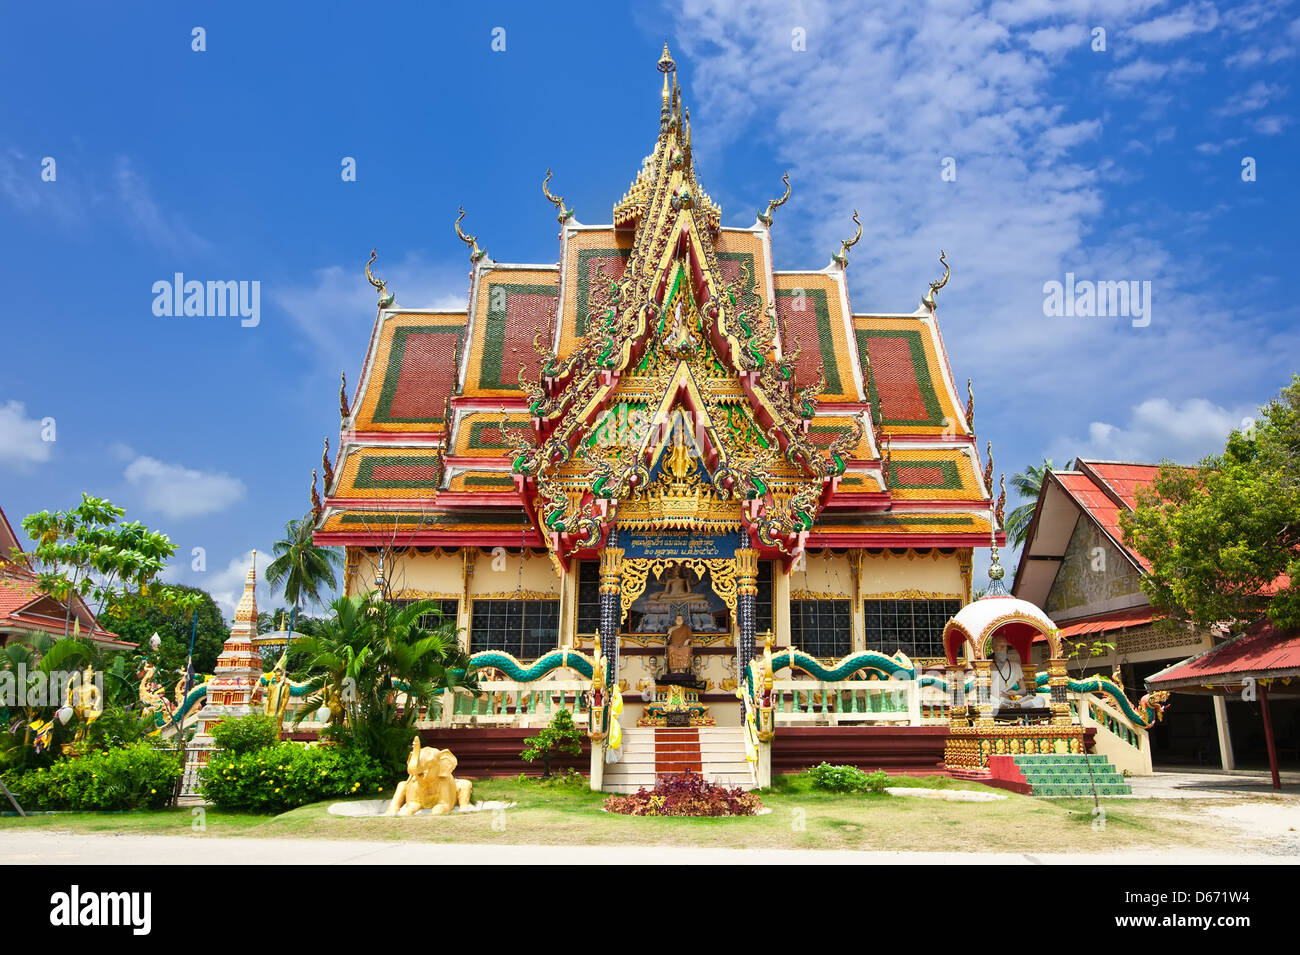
246 734
846 779
685 794
138 776
276 778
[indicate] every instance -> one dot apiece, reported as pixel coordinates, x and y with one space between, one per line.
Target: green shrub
560 737
138 776
247 734
847 779
280 777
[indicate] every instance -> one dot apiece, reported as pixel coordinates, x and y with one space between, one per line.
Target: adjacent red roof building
1262 653
25 608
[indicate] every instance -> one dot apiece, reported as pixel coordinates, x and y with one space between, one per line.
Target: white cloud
1254 98
1051 40
146 217
176 491
22 443
1160 429
1178 25
1144 70
1270 125
1213 149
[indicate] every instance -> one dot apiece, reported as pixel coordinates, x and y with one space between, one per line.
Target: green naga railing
528 694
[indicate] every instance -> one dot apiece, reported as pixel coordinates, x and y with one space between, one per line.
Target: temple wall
497 574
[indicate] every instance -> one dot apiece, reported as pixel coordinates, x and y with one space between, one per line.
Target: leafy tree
1028 484
560 737
302 569
85 552
1220 537
168 612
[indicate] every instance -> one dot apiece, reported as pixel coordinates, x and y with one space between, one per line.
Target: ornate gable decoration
676 408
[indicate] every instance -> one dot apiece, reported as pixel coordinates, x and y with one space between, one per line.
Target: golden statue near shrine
430 784
84 697
277 691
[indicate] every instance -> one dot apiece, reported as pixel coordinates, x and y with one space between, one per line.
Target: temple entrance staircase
1056 775
715 752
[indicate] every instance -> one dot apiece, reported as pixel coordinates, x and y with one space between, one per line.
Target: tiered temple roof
824 427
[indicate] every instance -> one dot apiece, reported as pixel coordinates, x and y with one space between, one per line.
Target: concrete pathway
1214 784
46 847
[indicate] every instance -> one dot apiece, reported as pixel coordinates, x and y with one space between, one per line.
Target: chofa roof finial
326 467
842 256
316 506
564 215
929 301
765 217
343 396
475 253
386 297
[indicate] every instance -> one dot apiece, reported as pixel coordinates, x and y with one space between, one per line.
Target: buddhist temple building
663 429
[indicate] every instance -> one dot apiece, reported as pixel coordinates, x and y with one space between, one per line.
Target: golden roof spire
246 612
666 66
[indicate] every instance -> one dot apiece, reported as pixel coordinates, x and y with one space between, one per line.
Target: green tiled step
1074 789
1108 778
1071 774
1060 759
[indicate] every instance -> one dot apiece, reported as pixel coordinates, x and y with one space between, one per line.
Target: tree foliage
559 737
306 573
88 552
1223 539
168 612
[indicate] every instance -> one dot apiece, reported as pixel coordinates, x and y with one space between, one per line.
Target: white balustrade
847 702
510 703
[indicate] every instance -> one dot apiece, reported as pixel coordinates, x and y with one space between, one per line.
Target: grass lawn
801 818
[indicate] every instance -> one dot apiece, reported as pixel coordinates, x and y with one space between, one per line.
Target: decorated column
611 572
1058 684
746 603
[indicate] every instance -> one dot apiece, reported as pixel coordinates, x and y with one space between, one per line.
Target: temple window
431 621
588 619
913 626
821 628
763 602
523 628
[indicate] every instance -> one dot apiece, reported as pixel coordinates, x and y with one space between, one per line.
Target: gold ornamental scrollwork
637 571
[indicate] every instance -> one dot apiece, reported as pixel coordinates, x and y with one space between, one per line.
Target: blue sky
1122 164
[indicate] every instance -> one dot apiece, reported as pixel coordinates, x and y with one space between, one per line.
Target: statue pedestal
969 747
678 703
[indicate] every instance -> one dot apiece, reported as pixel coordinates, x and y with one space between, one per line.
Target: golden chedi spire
246 612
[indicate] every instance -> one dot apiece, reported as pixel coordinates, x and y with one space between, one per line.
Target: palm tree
375 665
1027 484
304 568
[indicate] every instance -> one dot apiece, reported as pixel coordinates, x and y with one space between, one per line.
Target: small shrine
998 707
